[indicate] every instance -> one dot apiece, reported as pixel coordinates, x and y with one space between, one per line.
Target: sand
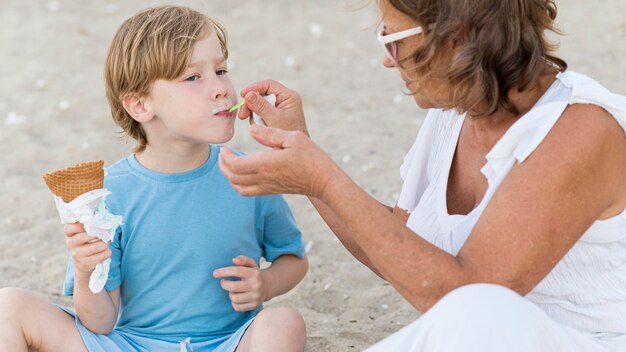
53 113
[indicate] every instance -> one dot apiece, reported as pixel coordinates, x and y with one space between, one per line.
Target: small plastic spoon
257 119
236 106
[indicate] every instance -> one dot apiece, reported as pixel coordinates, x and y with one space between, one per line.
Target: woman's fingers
243 173
253 92
287 114
255 190
265 87
231 164
260 106
268 136
289 167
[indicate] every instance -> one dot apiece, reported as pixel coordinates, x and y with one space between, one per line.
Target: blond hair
500 45
156 43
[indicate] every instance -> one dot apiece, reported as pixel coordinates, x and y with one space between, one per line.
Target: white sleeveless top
587 288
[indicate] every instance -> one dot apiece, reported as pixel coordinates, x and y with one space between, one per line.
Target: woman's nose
389 62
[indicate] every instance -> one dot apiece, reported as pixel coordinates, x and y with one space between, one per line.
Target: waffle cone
75 180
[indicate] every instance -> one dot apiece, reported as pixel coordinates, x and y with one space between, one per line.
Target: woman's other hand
287 114
294 165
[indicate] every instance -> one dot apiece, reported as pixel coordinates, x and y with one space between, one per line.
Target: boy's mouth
222 112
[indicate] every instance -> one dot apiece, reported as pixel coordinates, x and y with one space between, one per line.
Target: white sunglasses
388 41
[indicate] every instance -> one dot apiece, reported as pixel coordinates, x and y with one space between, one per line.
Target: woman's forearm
343 233
418 270
96 311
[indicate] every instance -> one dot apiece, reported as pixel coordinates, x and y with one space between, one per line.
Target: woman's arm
573 178
342 231
288 115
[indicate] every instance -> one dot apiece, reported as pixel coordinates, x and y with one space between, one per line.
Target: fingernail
251 97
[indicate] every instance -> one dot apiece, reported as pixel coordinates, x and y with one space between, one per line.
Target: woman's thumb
256 103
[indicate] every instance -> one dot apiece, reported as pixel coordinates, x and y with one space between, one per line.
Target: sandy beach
53 113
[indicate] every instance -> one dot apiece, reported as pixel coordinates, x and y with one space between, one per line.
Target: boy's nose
219 90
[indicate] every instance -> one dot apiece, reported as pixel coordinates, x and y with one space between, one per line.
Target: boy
172 277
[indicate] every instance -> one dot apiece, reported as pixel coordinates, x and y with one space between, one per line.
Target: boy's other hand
87 251
247 293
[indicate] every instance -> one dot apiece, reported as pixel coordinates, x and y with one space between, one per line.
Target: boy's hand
87 251
247 293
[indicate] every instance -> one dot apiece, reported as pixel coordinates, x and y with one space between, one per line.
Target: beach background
53 113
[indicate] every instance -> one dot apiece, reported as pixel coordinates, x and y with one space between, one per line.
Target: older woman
510 230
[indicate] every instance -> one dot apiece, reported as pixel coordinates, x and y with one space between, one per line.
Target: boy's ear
137 107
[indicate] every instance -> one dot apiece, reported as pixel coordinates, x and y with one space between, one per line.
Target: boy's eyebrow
196 64
201 63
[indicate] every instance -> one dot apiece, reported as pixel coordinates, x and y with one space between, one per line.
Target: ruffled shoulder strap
530 130
587 91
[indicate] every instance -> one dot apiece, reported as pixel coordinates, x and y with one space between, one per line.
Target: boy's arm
256 286
97 312
283 274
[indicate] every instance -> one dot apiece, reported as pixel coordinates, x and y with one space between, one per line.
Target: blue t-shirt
179 228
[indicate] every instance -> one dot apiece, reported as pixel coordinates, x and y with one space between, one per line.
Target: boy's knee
281 316
282 319
12 301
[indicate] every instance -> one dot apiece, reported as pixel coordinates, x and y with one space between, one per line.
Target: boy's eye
221 72
193 78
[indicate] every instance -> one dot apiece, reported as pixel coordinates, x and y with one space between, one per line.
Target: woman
510 230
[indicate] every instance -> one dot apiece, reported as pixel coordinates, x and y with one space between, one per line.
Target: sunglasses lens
391 49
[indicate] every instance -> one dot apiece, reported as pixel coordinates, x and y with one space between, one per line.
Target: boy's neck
173 160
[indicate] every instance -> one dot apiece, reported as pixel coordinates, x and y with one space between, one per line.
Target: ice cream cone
75 180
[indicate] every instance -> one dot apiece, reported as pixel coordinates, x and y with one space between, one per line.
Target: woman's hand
87 251
250 291
287 114
294 165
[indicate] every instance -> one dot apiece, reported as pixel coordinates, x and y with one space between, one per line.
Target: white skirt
491 318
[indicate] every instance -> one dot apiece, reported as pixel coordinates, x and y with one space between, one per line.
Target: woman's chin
423 103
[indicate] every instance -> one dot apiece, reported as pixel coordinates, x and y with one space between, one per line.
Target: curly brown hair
156 43
499 45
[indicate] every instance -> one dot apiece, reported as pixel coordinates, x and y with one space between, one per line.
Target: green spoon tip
236 106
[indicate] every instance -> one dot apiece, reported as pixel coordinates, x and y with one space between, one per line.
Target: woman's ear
138 107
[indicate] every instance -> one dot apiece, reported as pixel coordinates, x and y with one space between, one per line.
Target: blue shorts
118 341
